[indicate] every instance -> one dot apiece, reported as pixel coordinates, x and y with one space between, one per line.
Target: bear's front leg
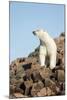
42 60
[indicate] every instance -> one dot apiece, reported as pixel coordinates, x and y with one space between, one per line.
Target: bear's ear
45 32
41 30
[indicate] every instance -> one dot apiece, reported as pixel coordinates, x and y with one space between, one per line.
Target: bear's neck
44 39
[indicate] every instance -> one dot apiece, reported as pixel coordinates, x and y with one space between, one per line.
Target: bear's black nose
34 32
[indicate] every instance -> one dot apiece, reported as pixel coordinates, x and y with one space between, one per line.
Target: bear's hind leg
42 60
52 61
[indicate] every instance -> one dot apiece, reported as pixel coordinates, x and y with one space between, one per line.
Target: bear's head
39 33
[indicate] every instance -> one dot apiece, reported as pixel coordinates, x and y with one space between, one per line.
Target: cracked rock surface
29 79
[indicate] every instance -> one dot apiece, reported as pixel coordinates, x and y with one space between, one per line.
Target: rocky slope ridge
29 79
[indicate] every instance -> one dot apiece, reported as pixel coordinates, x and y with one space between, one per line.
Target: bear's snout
34 32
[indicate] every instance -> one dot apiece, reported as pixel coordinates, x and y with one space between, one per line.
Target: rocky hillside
29 79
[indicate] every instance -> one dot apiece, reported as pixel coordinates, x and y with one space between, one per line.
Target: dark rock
36 88
12 89
29 79
21 60
62 34
60 75
28 85
22 87
36 76
27 66
49 83
45 72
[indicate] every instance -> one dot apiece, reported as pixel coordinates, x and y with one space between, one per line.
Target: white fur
47 47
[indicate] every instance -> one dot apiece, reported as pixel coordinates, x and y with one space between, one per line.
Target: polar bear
47 48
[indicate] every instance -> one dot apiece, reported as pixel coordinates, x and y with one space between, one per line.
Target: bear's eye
37 30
